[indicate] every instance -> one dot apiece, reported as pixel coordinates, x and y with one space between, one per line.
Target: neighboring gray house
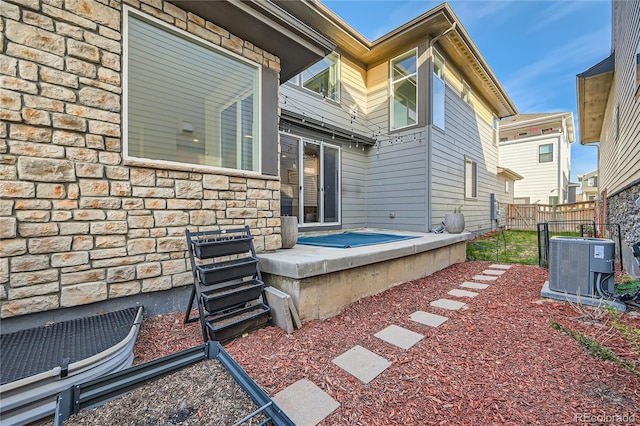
609 115
589 185
538 147
392 133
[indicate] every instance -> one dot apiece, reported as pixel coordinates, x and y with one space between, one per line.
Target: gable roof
456 44
539 119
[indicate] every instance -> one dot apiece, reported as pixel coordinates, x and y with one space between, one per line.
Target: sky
535 48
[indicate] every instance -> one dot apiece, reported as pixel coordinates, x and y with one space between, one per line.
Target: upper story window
438 85
466 92
545 153
593 181
188 101
404 90
323 77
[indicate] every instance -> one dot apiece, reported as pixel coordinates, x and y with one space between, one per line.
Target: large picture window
545 153
323 77
404 90
188 101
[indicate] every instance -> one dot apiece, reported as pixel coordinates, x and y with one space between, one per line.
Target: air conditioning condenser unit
576 265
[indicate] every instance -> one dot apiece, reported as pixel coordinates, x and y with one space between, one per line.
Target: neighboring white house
538 147
589 185
609 114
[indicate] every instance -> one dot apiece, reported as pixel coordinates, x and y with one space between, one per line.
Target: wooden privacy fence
527 216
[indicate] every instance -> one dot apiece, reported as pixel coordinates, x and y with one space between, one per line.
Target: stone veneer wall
78 224
622 209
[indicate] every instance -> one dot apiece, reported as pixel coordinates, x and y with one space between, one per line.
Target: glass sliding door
330 184
309 180
289 176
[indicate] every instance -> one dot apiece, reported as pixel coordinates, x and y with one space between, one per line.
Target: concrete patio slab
462 293
399 336
499 266
581 300
477 286
427 318
452 305
362 363
305 403
484 278
492 272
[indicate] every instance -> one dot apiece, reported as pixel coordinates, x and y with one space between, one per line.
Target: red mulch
497 362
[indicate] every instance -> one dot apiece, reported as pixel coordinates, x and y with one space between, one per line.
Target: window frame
322 145
540 153
172 30
466 93
470 193
391 90
297 79
441 75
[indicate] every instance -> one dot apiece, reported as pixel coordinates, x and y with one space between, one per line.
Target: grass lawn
508 246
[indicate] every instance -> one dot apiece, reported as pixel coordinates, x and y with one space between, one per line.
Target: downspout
429 216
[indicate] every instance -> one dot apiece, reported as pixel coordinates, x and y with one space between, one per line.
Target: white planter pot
454 222
289 231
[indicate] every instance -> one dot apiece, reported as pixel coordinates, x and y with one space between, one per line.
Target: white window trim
552 153
176 165
392 81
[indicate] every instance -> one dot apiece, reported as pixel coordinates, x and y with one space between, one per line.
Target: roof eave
267 26
592 88
509 174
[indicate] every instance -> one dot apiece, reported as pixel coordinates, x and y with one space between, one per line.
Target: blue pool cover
351 239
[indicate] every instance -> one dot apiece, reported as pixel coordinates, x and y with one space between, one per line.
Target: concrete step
492 272
427 318
499 266
484 278
452 305
462 293
305 403
477 286
399 336
362 363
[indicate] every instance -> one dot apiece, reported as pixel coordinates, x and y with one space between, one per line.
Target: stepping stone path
399 336
476 286
452 305
462 293
362 363
484 278
426 318
316 406
307 405
490 272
